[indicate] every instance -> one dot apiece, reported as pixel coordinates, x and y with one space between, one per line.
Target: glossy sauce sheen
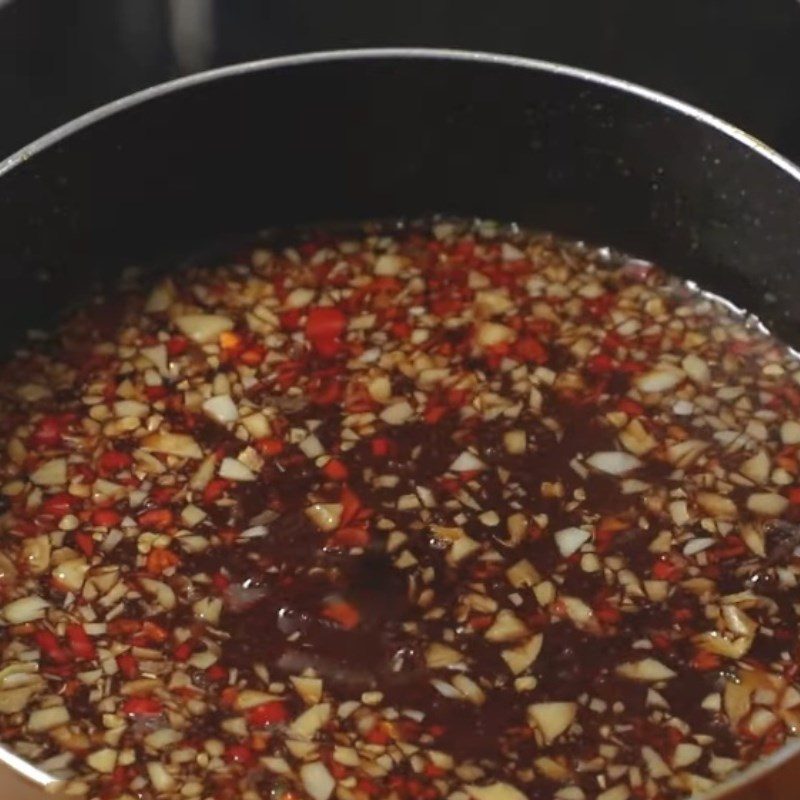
380 655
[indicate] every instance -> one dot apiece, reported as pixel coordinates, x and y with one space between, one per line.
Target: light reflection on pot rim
438 54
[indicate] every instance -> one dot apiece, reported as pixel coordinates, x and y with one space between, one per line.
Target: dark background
739 59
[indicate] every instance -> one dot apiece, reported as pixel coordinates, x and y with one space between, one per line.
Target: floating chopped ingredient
447 511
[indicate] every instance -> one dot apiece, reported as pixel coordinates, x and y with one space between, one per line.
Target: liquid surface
453 512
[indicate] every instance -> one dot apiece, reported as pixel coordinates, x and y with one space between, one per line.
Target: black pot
398 133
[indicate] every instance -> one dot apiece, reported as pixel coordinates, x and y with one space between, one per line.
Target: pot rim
432 53
755 770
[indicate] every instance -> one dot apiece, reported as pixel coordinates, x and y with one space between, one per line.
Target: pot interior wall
375 137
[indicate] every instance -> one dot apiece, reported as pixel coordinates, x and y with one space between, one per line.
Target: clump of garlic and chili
448 512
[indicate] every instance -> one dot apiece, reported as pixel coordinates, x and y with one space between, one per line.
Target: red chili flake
271 713
215 489
253 355
335 470
401 330
345 614
231 342
788 460
351 505
351 536
161 495
794 495
122 776
238 754
229 535
158 518
705 661
50 646
142 707
381 446
358 399
449 485
80 643
603 539
445 349
495 354
24 527
328 393
774 738
113 461
105 518
434 414
290 320
47 433
228 696
339 771
740 347
220 581
599 306
64 671
792 395
386 285
608 614
630 407
611 341
217 673
674 736
270 447
175 403
457 398
465 248
159 559
123 626
530 349
85 543
661 641
682 614
59 505
480 622
379 735
632 367
406 730
601 364
368 786
154 393
109 391
324 327
154 632
128 666
183 652
608 528
666 570
468 475
177 345
731 547
308 249
86 472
